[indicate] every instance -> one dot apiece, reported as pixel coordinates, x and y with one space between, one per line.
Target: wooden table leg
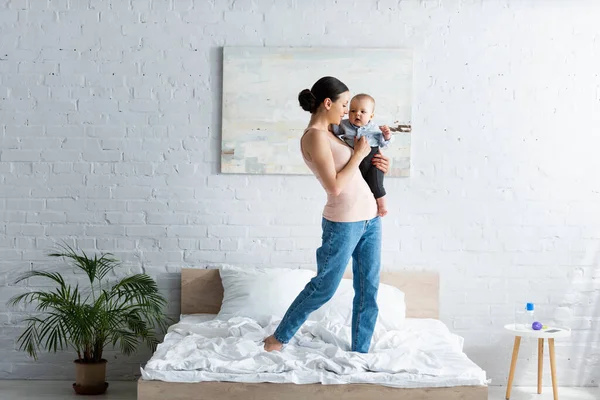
540 364
553 368
513 365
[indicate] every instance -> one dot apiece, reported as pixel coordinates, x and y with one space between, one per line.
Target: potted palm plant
118 313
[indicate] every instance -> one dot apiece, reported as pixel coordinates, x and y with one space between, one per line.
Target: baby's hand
387 134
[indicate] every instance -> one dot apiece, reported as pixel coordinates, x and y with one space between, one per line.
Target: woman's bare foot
381 208
272 344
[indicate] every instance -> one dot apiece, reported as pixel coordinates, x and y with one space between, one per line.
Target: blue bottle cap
529 306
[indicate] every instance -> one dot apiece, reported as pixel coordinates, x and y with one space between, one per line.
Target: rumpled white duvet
422 354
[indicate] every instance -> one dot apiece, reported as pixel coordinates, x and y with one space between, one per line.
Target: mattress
423 353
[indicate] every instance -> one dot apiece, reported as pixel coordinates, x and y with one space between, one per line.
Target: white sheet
422 354
191 319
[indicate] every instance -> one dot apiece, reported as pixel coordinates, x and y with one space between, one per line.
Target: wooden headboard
202 291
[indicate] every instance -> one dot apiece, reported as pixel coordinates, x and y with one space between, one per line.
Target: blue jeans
342 240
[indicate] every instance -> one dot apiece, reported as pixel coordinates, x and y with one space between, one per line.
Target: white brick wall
110 138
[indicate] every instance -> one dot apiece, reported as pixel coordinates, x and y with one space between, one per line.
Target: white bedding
422 354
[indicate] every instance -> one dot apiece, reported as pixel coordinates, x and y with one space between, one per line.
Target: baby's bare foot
272 344
381 208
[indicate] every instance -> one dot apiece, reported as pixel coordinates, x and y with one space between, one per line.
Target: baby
359 124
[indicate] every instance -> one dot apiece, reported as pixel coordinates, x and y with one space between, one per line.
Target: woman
351 227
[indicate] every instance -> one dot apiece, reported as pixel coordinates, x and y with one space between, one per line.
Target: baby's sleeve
336 129
385 143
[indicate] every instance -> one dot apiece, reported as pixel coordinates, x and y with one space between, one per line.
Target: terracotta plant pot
90 377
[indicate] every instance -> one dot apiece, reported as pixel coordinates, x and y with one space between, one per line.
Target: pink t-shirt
355 202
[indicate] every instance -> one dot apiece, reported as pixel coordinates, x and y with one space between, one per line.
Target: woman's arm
316 144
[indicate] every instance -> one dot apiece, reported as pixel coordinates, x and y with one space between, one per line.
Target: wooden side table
549 333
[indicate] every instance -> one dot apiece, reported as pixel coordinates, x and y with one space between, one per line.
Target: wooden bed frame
202 292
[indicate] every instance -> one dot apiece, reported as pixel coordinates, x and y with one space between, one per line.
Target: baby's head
362 109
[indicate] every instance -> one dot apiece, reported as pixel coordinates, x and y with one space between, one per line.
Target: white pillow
390 300
260 293
392 307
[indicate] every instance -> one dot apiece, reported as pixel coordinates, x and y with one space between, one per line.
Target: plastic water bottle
530 317
524 317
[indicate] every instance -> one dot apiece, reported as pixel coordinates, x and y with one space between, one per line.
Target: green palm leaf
105 313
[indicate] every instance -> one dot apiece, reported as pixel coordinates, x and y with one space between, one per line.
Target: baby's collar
358 127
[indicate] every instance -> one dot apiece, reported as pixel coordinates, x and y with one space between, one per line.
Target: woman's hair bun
307 100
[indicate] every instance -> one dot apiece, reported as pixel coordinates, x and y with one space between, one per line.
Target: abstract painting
263 122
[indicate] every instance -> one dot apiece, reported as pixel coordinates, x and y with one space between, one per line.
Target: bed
202 293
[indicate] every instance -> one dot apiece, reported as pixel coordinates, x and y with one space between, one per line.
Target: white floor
59 390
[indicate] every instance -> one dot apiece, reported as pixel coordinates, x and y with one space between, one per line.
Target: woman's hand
381 162
361 147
